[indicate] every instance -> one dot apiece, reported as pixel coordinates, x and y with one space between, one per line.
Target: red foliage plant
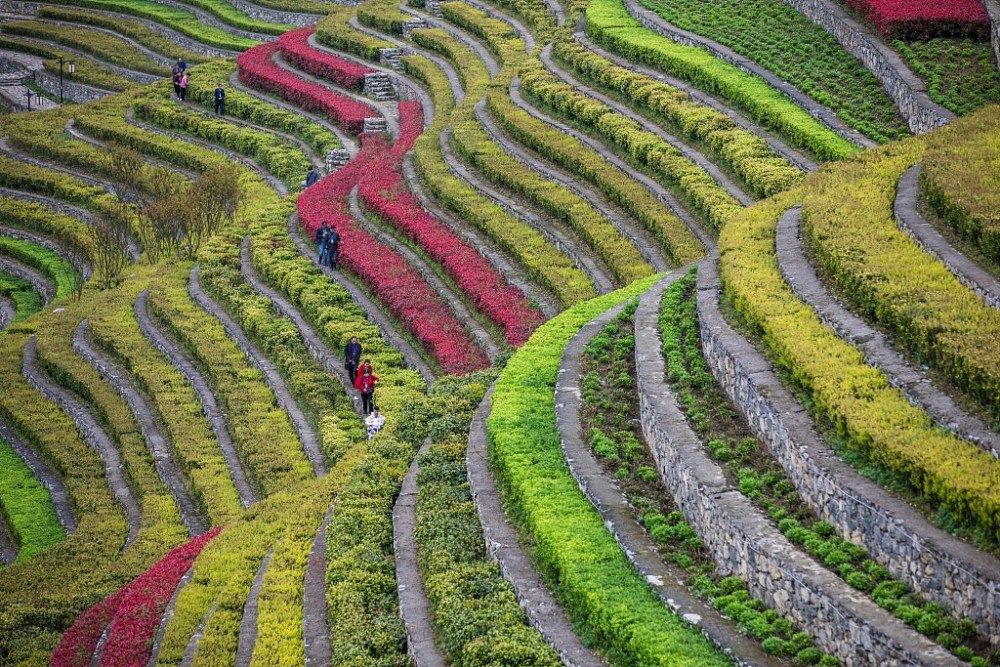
131 615
917 19
295 48
257 70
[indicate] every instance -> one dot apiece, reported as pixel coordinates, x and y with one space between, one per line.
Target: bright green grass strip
610 24
26 300
591 575
43 259
960 73
180 20
27 506
234 17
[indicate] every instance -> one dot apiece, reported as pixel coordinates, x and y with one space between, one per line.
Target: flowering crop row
924 18
385 272
295 49
134 613
382 190
257 71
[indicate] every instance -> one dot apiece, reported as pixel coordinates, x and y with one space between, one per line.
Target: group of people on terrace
365 380
181 79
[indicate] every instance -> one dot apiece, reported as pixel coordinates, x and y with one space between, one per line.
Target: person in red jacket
365 366
366 385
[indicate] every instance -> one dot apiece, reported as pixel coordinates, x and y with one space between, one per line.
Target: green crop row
677 241
745 154
589 573
114 328
788 44
274 154
61 272
26 300
201 90
26 506
476 22
140 32
610 24
477 619
961 73
383 15
959 183
174 18
334 31
36 218
644 148
87 72
237 18
868 412
98 44
541 259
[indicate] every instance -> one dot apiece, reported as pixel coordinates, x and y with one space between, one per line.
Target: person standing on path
220 100
184 85
176 73
181 65
366 385
322 248
333 248
363 368
374 422
311 176
352 357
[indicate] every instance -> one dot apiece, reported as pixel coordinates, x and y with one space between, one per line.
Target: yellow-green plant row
383 15
334 31
874 416
542 260
87 72
665 161
26 506
233 16
101 45
60 271
745 154
959 179
589 573
849 225
611 25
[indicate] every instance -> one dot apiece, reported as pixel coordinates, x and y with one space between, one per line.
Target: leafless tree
210 202
109 239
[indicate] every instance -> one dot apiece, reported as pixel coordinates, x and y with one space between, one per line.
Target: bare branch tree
109 238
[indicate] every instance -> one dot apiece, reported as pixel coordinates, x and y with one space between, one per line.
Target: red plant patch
295 48
385 272
916 19
258 71
133 612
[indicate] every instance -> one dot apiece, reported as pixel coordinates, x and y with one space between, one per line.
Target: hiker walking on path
374 422
184 85
311 176
176 74
220 100
366 385
332 248
352 357
367 366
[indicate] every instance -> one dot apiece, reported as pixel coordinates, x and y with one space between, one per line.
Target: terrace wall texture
993 9
274 15
936 565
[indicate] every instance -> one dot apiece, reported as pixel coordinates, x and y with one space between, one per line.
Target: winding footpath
915 384
503 546
248 623
283 395
185 365
93 434
315 609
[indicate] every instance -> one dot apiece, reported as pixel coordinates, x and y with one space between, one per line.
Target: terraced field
681 318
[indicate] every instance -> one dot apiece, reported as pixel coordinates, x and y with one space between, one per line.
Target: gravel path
693 155
8 545
506 265
519 28
159 446
168 613
492 66
454 299
794 156
608 499
375 314
248 624
180 359
647 246
413 604
39 281
93 434
321 352
555 232
663 195
188 659
78 260
46 476
282 394
502 544
877 348
276 183
911 221
315 624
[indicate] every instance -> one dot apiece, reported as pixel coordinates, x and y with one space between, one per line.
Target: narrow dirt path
168 613
248 624
315 610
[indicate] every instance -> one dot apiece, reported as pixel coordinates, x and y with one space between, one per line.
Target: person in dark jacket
333 248
311 176
220 100
176 74
181 65
352 357
366 385
321 245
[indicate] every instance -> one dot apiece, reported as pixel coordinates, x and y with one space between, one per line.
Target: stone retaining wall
936 565
905 88
273 15
72 91
993 9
